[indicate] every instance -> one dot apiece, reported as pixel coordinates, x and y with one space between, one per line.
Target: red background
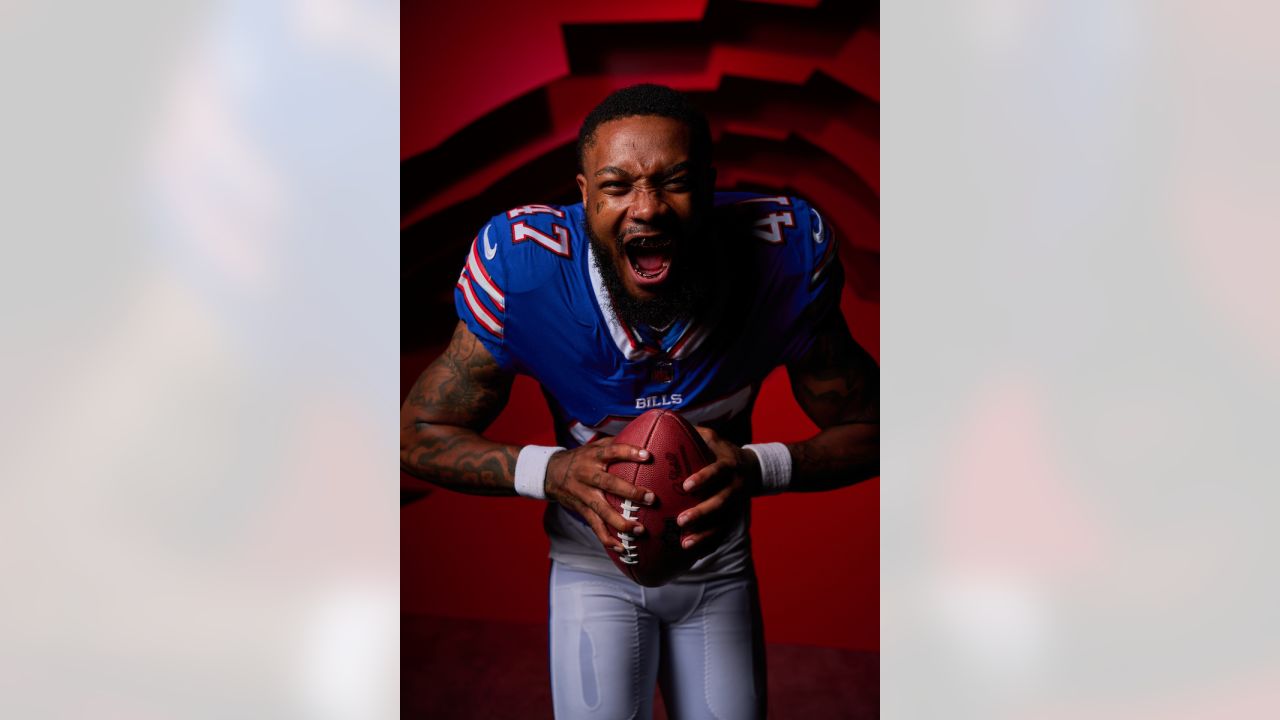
491 97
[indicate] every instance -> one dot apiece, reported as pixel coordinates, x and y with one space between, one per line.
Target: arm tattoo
452 402
838 456
838 385
836 381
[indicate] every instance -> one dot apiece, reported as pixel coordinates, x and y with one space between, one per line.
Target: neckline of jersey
626 338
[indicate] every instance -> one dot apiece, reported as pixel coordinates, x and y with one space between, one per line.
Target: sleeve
479 295
817 278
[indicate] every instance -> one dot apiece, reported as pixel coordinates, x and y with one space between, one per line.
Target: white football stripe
482 278
616 331
482 314
693 342
584 433
824 262
722 409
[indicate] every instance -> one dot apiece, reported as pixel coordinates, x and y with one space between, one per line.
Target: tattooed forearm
453 401
460 459
838 456
836 381
838 385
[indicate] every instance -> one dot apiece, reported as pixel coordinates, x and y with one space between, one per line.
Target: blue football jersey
532 294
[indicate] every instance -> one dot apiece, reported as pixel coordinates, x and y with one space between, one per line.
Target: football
655 557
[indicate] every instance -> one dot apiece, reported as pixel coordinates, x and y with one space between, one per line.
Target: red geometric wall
492 94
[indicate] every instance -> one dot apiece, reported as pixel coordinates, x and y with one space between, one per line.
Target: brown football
655 557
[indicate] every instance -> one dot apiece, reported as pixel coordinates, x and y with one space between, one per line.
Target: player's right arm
456 398
452 402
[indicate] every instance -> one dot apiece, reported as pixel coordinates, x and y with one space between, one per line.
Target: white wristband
775 466
531 470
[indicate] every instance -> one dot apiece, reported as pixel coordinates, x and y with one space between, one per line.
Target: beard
681 294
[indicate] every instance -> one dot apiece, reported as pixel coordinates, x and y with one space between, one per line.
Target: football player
655 291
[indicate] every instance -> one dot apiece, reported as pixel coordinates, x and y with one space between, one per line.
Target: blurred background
492 96
1080 373
198 310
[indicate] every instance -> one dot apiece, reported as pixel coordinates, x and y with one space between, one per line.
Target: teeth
649 276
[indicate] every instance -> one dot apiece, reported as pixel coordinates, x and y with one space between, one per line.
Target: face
643 201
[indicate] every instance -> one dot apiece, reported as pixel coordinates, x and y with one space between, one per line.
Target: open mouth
649 258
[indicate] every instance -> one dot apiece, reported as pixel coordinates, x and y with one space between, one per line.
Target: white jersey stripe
482 278
727 407
584 434
616 331
692 342
672 344
827 257
478 309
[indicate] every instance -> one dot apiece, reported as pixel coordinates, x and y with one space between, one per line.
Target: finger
605 537
707 433
703 476
620 452
611 518
623 489
691 539
702 510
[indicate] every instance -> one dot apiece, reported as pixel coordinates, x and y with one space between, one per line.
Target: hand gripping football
655 557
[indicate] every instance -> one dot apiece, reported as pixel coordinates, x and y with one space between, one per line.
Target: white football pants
612 640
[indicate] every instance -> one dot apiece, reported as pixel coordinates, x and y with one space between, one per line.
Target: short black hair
649 99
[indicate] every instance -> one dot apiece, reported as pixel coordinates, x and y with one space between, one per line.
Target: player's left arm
834 380
837 384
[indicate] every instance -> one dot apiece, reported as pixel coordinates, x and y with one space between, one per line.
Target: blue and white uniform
532 294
